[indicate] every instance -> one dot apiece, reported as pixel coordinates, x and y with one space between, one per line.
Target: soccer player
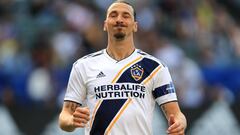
114 91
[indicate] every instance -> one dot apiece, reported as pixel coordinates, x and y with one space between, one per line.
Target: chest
117 81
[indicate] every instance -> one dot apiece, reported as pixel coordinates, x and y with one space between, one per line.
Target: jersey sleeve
164 90
76 90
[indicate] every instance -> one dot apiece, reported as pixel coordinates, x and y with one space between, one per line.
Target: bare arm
176 119
73 116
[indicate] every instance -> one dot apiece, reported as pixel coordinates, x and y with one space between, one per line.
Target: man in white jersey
119 85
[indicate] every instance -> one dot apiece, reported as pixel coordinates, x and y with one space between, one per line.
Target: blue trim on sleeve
163 90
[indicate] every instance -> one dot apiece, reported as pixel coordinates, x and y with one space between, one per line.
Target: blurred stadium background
198 39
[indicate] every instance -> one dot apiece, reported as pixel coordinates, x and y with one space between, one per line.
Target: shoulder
92 55
89 58
149 58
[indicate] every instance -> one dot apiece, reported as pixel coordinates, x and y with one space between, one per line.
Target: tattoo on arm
71 106
164 110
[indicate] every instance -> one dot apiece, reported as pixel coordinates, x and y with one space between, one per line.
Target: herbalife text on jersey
120 90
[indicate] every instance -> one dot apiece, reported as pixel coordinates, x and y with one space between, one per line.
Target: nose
119 19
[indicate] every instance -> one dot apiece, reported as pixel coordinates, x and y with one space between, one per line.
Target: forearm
176 120
176 113
179 115
65 122
172 108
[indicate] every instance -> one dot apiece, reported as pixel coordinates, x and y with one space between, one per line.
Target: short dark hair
128 3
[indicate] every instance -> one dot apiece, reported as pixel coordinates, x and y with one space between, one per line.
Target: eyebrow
114 11
124 13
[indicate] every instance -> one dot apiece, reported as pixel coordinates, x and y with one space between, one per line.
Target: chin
119 36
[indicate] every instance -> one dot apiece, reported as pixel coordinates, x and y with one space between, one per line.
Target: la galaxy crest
137 72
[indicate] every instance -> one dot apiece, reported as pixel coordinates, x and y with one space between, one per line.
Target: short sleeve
164 90
76 90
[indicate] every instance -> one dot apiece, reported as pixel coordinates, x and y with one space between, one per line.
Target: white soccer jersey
121 95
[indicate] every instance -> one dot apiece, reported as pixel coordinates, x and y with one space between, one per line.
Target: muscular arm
176 119
66 115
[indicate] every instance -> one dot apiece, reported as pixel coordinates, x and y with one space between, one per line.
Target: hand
80 117
177 125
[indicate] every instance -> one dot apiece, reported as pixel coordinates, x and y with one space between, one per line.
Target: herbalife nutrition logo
101 74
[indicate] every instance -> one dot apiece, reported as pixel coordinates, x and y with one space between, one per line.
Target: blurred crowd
199 40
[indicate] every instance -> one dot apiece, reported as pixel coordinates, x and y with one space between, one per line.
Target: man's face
119 21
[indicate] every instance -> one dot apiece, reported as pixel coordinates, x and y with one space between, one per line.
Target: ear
104 26
135 28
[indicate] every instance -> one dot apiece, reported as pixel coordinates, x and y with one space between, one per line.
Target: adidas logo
101 74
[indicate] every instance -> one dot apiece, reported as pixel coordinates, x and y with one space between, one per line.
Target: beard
119 36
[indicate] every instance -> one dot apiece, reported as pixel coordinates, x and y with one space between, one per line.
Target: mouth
119 26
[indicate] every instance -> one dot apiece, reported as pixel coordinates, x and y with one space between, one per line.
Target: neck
119 50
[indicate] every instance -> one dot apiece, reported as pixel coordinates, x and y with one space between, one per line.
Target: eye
126 15
113 14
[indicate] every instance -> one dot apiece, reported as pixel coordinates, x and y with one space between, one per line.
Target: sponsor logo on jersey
137 72
101 74
120 90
